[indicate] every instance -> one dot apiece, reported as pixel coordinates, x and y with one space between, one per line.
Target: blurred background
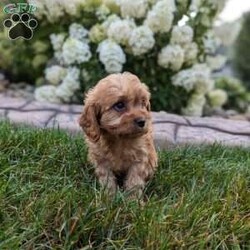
193 54
234 10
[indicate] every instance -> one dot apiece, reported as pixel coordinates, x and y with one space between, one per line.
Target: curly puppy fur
117 123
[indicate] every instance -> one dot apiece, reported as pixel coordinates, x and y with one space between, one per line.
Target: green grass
49 198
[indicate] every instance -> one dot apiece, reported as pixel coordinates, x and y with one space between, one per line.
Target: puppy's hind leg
106 179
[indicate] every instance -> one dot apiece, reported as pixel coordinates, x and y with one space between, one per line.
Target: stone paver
34 118
224 125
76 108
66 122
163 117
169 130
14 103
164 135
200 135
46 106
165 138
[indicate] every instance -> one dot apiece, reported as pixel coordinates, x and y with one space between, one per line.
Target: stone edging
169 130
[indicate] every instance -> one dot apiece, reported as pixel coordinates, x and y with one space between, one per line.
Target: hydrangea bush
237 95
23 60
169 44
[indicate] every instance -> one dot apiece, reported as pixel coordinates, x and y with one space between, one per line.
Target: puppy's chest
122 157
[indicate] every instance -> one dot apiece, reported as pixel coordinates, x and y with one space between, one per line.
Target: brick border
169 130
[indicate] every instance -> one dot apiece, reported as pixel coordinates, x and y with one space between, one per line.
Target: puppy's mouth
136 133
132 131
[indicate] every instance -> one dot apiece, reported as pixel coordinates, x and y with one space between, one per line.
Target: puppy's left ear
89 122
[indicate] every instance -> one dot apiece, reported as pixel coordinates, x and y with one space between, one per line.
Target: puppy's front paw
135 183
107 180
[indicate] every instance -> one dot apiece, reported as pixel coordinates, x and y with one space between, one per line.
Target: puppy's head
119 105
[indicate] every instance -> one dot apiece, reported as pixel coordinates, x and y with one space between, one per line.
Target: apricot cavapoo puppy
117 123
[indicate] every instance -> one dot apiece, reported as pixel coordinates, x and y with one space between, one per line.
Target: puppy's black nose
140 122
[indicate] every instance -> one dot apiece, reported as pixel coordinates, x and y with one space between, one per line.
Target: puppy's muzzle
140 122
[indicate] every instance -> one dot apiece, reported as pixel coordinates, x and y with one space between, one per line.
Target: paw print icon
20 26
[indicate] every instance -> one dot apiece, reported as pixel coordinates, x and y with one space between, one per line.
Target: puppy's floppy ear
89 123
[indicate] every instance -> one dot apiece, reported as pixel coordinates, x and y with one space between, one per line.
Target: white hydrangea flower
185 78
77 31
190 53
171 56
182 35
121 30
170 3
217 97
97 33
210 43
195 105
75 51
102 12
57 41
132 8
47 93
112 5
55 74
109 20
141 40
160 18
55 9
64 93
198 77
111 55
204 82
73 75
216 62
71 7
69 85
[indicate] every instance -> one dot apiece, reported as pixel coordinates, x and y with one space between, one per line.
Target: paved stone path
169 130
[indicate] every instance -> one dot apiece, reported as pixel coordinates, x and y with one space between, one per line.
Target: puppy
117 123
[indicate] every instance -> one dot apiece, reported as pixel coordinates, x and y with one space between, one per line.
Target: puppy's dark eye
119 106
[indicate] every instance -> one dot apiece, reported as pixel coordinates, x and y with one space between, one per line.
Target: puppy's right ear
89 123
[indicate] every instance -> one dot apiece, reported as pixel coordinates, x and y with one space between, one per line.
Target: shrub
165 42
22 60
241 58
238 96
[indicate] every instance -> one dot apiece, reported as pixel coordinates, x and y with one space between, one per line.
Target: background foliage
242 53
177 68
